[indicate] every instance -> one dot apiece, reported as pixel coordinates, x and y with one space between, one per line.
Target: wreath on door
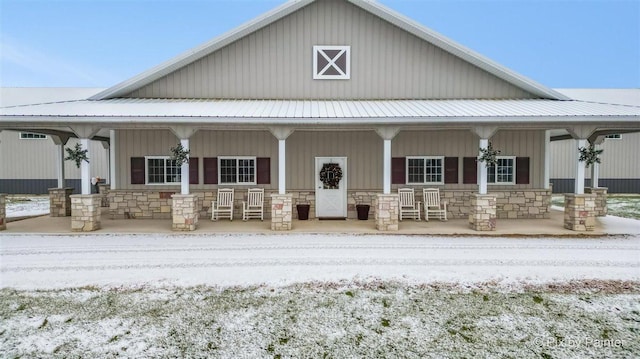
330 175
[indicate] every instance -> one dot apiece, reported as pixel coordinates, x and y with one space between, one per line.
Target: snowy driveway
48 262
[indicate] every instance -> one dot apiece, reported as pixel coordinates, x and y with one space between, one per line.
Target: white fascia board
201 51
456 49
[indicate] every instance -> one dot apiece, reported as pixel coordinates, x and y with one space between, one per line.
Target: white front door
331 187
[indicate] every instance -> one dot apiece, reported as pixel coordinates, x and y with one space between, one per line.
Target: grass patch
316 320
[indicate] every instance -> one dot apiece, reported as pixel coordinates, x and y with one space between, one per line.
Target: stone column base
482 216
103 190
579 212
387 212
60 202
184 212
281 212
3 212
601 200
85 212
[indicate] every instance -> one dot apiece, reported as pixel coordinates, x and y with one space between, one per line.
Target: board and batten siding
30 165
618 161
363 149
275 62
141 143
464 143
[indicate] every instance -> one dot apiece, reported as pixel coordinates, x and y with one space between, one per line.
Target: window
31 136
237 170
162 170
425 170
616 136
503 172
331 62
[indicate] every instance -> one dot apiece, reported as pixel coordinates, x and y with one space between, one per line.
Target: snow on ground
50 262
27 206
271 296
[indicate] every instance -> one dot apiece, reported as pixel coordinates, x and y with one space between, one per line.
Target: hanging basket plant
330 175
590 155
77 155
179 154
488 155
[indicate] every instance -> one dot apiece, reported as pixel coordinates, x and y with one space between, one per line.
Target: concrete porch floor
505 227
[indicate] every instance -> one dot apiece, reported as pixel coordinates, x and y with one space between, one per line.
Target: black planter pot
303 211
363 211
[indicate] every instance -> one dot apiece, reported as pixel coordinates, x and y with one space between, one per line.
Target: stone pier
482 216
601 200
387 212
103 190
580 212
184 212
3 211
281 212
60 202
85 212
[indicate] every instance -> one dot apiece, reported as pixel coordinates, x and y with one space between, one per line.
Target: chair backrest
431 197
407 198
255 197
225 197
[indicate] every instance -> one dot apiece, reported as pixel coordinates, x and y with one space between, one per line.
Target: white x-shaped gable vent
331 62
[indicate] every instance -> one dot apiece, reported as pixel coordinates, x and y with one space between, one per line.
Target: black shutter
451 170
210 168
522 170
398 173
263 170
137 170
470 170
193 170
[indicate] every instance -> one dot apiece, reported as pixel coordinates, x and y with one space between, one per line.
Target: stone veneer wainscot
60 202
3 211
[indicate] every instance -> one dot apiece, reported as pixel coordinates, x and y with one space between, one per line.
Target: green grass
318 320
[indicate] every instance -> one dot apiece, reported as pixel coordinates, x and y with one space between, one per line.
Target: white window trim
146 171
255 170
407 158
512 183
32 138
347 74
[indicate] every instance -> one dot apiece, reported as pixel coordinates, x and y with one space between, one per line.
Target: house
330 103
28 159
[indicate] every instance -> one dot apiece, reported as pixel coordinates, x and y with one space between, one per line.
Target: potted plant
363 211
303 211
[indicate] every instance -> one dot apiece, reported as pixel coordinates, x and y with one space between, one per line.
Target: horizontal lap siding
276 63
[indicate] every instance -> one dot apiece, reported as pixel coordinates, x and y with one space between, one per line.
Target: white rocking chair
253 207
223 205
432 206
409 208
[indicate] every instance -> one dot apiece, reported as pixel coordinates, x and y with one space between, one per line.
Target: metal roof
340 112
371 6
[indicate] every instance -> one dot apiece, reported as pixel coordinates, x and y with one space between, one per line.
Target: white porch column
386 189
184 170
282 167
85 168
387 134
112 160
183 133
282 133
580 169
60 164
547 159
482 168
